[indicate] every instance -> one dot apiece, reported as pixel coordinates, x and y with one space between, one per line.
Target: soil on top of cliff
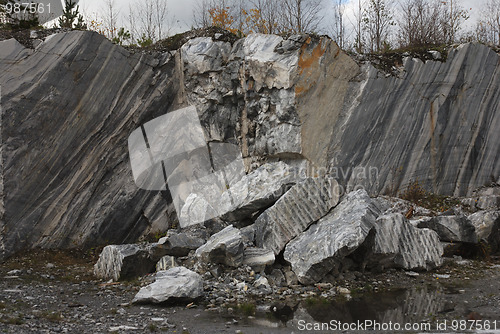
27 36
175 42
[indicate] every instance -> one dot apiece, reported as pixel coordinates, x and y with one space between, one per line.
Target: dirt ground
55 292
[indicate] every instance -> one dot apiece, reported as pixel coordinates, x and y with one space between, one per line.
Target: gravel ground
55 292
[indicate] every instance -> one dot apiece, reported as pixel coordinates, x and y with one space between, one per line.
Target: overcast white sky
182 10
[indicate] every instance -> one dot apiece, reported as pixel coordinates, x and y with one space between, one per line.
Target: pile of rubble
293 231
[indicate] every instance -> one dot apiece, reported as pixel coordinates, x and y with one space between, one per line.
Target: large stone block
180 244
305 203
118 262
452 228
399 244
174 285
322 248
224 247
257 190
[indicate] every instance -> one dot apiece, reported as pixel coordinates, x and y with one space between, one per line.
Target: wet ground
55 292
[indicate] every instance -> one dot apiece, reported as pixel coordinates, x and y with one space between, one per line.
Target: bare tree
201 15
453 15
488 27
357 25
377 22
267 14
427 22
419 23
144 10
300 16
152 16
132 23
110 18
160 18
339 28
240 15
222 13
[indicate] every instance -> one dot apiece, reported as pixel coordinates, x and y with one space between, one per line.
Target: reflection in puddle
396 306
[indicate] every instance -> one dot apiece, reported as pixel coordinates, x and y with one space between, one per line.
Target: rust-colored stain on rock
308 64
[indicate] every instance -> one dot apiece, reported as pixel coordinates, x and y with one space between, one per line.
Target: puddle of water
396 306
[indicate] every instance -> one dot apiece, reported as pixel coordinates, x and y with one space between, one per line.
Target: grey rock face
248 234
257 190
258 258
488 202
487 227
65 165
398 205
405 128
180 244
452 228
322 248
483 222
127 261
487 191
202 55
399 244
175 284
262 282
295 100
484 198
305 203
277 278
224 247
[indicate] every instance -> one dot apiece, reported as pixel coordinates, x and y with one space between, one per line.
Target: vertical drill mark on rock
144 134
433 150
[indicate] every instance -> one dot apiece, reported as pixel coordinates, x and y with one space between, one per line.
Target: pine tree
71 13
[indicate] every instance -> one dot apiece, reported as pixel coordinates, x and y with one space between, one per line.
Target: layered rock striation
69 105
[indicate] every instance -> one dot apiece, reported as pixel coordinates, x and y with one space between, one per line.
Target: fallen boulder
118 262
258 258
305 203
256 191
483 222
224 247
399 244
486 198
451 228
404 207
322 248
487 226
173 285
180 244
196 210
494 238
248 233
488 202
